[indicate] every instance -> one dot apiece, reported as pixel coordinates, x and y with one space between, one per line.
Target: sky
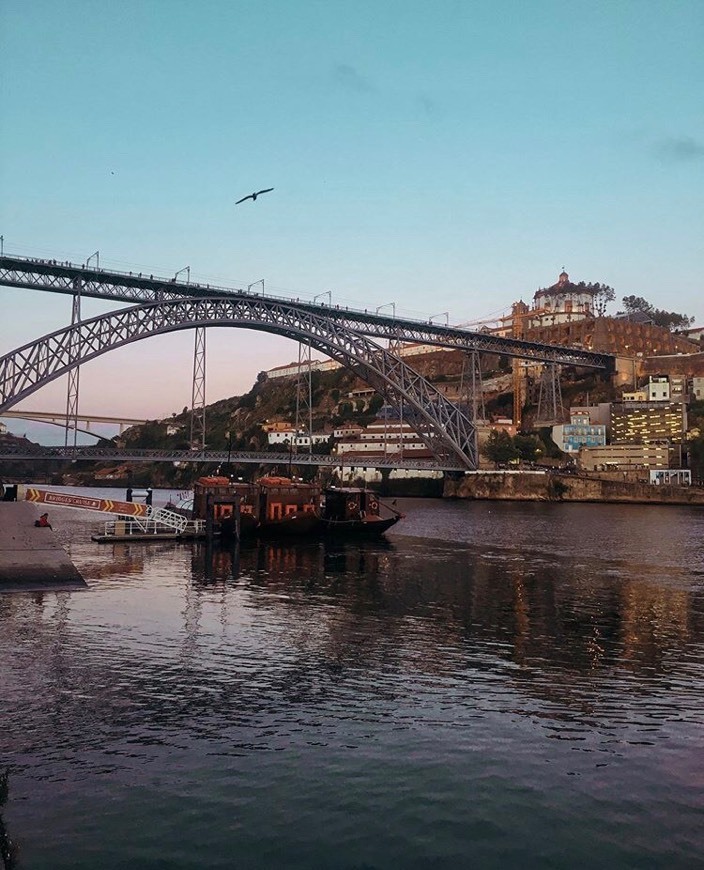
451 156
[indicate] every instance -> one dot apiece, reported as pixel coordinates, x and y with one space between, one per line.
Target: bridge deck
57 277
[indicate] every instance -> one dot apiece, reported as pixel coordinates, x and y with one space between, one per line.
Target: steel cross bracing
49 275
73 377
444 427
236 457
198 391
304 396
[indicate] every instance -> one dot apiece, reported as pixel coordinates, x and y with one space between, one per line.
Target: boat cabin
281 498
350 503
223 488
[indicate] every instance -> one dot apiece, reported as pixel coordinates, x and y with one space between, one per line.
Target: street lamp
97 259
444 314
187 270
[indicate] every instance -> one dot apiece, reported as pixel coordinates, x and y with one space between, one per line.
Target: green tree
499 447
528 447
602 296
667 319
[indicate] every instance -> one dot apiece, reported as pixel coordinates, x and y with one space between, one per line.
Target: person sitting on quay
43 522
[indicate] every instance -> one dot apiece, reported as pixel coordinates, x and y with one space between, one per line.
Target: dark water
497 686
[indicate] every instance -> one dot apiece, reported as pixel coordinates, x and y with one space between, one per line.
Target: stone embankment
30 557
538 486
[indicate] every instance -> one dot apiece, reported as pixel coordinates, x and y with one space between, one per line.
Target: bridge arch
444 427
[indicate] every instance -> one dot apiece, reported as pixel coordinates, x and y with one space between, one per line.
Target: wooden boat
224 488
356 512
288 507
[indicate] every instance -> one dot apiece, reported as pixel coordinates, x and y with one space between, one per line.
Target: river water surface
496 685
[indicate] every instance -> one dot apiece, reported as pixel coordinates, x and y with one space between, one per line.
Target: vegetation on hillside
667 319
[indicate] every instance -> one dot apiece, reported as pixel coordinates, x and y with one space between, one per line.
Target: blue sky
446 156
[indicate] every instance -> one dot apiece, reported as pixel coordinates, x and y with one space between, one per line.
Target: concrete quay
538 486
31 557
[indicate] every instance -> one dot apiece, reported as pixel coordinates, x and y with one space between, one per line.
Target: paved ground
31 557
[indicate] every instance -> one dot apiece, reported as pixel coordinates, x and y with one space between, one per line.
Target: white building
698 388
347 430
381 437
658 388
348 474
671 477
281 436
694 333
292 369
563 302
298 439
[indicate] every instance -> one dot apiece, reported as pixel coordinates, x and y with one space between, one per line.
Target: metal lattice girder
550 411
74 374
56 277
236 457
471 394
198 391
304 394
444 427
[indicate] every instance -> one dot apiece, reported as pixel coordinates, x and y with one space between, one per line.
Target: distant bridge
60 418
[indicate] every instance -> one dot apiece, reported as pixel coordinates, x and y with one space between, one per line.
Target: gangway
141 518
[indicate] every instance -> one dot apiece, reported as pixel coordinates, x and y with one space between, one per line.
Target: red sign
104 505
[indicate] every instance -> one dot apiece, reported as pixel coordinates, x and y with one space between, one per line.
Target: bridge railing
216 289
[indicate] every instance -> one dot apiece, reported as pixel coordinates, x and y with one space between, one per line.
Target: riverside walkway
31 557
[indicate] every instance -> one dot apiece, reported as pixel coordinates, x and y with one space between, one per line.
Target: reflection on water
486 683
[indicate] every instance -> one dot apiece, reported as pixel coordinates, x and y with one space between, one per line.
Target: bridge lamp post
327 293
187 270
387 305
445 314
97 259
260 281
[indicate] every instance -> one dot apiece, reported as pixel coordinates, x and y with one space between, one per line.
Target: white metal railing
168 518
148 526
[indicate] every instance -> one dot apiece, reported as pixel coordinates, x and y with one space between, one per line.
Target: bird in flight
253 196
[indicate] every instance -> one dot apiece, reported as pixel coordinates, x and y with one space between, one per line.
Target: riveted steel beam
50 275
444 427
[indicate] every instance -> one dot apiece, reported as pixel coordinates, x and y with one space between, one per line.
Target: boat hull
298 525
370 528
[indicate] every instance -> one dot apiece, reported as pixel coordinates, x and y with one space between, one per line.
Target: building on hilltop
293 369
562 302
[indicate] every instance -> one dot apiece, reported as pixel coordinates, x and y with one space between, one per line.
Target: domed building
563 302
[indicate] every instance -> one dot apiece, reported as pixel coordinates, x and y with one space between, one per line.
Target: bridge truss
443 426
165 305
223 458
70 279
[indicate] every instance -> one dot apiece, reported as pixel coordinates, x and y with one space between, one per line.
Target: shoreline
555 487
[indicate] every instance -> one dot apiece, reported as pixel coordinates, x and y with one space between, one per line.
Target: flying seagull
253 196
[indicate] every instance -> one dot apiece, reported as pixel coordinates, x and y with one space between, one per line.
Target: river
496 685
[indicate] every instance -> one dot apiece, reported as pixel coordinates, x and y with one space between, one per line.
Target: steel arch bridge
71 279
445 428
